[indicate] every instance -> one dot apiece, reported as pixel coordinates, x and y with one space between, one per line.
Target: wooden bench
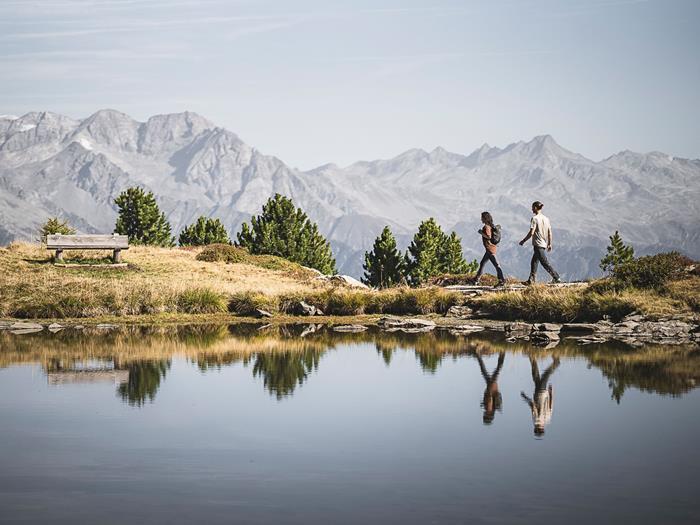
115 242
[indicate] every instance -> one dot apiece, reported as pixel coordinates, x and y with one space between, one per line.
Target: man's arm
549 239
528 236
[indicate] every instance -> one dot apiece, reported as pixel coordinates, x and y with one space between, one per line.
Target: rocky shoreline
633 330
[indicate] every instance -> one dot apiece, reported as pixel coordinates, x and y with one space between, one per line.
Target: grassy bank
598 301
155 281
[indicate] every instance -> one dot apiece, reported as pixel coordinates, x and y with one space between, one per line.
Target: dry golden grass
156 280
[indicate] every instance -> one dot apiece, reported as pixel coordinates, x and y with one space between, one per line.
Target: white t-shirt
540 223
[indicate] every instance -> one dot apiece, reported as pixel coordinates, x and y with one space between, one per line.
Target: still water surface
237 425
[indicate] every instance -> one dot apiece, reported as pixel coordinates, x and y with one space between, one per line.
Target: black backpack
496 234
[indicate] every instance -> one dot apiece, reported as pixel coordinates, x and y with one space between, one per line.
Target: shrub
651 271
54 226
203 232
223 253
200 301
245 303
141 219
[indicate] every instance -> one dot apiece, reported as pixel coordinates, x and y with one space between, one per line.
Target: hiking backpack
496 234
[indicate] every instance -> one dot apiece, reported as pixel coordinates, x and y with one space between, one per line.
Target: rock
626 327
319 311
55 327
5 325
460 311
349 328
578 328
546 327
634 317
303 308
525 328
346 280
591 340
78 327
260 313
25 328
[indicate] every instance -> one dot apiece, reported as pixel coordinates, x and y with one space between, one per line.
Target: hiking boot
556 280
528 282
500 284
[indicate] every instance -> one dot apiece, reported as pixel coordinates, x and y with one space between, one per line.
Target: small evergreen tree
286 231
472 266
451 257
203 232
55 226
384 266
617 253
423 259
141 219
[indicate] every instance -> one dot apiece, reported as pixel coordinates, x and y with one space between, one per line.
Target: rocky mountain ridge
55 165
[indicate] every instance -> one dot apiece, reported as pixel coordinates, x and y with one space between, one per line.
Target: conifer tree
203 232
54 226
286 231
423 259
384 266
141 219
451 257
617 253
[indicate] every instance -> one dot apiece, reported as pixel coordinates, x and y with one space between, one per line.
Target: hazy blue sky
316 81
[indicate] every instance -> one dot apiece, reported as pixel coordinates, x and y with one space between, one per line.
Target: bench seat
114 242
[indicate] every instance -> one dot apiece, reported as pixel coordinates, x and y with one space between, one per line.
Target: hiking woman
490 255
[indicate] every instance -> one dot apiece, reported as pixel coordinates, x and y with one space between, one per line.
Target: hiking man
541 234
489 241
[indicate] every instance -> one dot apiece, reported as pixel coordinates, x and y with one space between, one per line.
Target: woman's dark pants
490 257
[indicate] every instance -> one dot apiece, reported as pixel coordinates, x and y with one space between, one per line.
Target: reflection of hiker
541 233
490 236
543 402
492 397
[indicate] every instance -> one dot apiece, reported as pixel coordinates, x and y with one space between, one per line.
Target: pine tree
204 231
451 257
423 259
286 231
54 226
617 253
141 219
384 266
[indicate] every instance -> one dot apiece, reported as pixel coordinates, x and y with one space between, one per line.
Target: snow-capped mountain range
53 165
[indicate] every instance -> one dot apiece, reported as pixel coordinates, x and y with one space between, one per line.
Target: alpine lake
303 424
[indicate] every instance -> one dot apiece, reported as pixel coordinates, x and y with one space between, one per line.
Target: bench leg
59 256
117 256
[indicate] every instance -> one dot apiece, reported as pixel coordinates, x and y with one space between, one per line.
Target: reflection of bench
115 242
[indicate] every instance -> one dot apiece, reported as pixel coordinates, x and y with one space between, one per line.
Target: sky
319 81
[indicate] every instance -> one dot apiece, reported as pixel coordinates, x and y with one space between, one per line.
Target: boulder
260 313
460 311
106 326
524 328
303 308
55 327
578 328
346 280
546 339
465 329
546 327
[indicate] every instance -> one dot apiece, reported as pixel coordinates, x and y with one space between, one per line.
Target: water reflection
137 359
492 400
542 401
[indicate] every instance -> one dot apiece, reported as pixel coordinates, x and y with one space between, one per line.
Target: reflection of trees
144 380
283 372
385 350
674 372
429 361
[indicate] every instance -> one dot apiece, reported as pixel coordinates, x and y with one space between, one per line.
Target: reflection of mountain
143 383
283 372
